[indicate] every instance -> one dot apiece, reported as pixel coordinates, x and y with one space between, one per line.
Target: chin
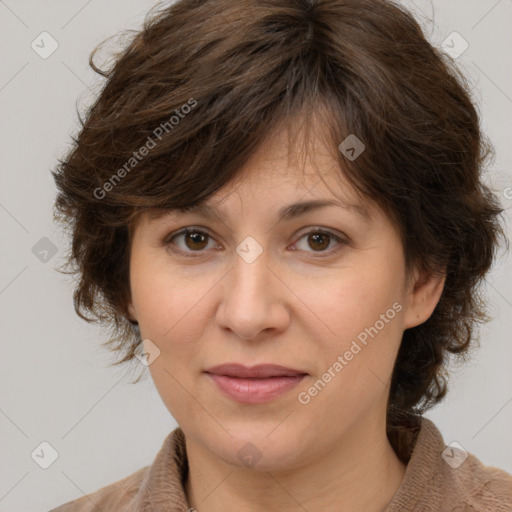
253 448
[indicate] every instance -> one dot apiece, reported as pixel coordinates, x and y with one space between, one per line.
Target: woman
278 207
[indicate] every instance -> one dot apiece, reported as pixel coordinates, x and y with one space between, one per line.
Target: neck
362 473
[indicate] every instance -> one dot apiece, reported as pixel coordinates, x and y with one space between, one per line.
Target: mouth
258 384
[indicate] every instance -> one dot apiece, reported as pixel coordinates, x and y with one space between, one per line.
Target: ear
131 312
424 292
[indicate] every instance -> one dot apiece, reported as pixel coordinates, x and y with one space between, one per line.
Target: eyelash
190 254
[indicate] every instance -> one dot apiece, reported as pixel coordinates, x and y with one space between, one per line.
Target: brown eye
319 241
196 240
193 240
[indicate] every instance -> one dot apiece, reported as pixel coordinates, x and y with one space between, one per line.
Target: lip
260 371
257 384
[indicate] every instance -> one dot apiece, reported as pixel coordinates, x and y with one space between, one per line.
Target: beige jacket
437 479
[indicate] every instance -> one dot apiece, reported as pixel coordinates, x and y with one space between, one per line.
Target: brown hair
202 86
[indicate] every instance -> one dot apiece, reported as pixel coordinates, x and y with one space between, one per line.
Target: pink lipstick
257 384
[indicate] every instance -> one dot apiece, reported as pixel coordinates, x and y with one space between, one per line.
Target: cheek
171 310
357 351
361 319
352 300
165 299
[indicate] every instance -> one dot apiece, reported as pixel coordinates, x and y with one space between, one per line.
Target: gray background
55 382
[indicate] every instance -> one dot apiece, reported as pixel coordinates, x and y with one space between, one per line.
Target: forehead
290 173
282 201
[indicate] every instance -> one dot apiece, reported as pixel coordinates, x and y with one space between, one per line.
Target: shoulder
464 480
111 497
157 485
442 478
479 487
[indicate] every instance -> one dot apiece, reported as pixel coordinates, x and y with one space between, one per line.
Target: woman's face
258 288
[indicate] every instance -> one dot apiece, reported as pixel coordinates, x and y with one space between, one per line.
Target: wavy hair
198 89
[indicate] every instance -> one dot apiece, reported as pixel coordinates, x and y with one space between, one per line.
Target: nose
253 300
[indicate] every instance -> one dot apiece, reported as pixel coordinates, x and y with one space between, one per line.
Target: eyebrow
287 212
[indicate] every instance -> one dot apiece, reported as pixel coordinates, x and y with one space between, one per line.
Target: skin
300 304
